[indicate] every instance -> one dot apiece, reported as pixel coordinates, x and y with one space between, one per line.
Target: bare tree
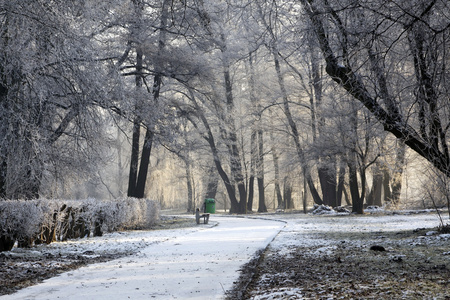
353 32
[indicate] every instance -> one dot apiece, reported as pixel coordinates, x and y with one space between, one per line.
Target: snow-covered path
199 263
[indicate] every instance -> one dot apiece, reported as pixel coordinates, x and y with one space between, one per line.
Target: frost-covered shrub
20 220
44 221
136 213
49 210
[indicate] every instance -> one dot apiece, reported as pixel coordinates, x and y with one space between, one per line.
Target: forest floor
313 257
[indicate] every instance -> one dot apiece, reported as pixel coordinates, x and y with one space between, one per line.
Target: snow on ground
193 263
319 237
304 230
202 262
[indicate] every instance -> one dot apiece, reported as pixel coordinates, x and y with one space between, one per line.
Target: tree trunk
327 178
235 157
253 158
357 201
326 169
374 197
209 137
386 187
295 133
287 193
232 142
190 202
143 168
397 174
340 187
212 183
251 189
305 196
138 178
135 143
236 170
260 172
3 130
3 172
277 172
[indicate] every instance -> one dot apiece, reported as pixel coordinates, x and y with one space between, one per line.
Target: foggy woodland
260 105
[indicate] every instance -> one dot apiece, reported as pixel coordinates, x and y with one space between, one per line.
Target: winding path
197 264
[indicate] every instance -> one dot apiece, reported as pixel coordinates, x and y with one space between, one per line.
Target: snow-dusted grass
329 256
308 230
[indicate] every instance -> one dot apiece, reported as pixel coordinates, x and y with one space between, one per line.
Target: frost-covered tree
392 57
51 91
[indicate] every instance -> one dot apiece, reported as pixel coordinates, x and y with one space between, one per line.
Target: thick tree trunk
386 187
327 166
374 197
134 161
327 178
261 203
357 201
143 167
212 184
235 157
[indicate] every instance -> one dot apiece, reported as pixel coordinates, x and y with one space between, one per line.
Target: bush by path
44 221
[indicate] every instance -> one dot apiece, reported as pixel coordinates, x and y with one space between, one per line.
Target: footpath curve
200 264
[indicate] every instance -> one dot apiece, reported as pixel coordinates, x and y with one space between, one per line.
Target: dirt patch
24 267
396 265
19 271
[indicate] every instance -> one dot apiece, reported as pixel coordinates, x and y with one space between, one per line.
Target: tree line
246 94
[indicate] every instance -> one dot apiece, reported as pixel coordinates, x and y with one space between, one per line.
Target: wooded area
247 102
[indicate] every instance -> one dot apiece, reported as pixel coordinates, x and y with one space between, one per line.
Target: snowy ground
332 257
193 263
309 257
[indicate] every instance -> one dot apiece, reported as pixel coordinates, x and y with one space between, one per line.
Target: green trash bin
210 206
